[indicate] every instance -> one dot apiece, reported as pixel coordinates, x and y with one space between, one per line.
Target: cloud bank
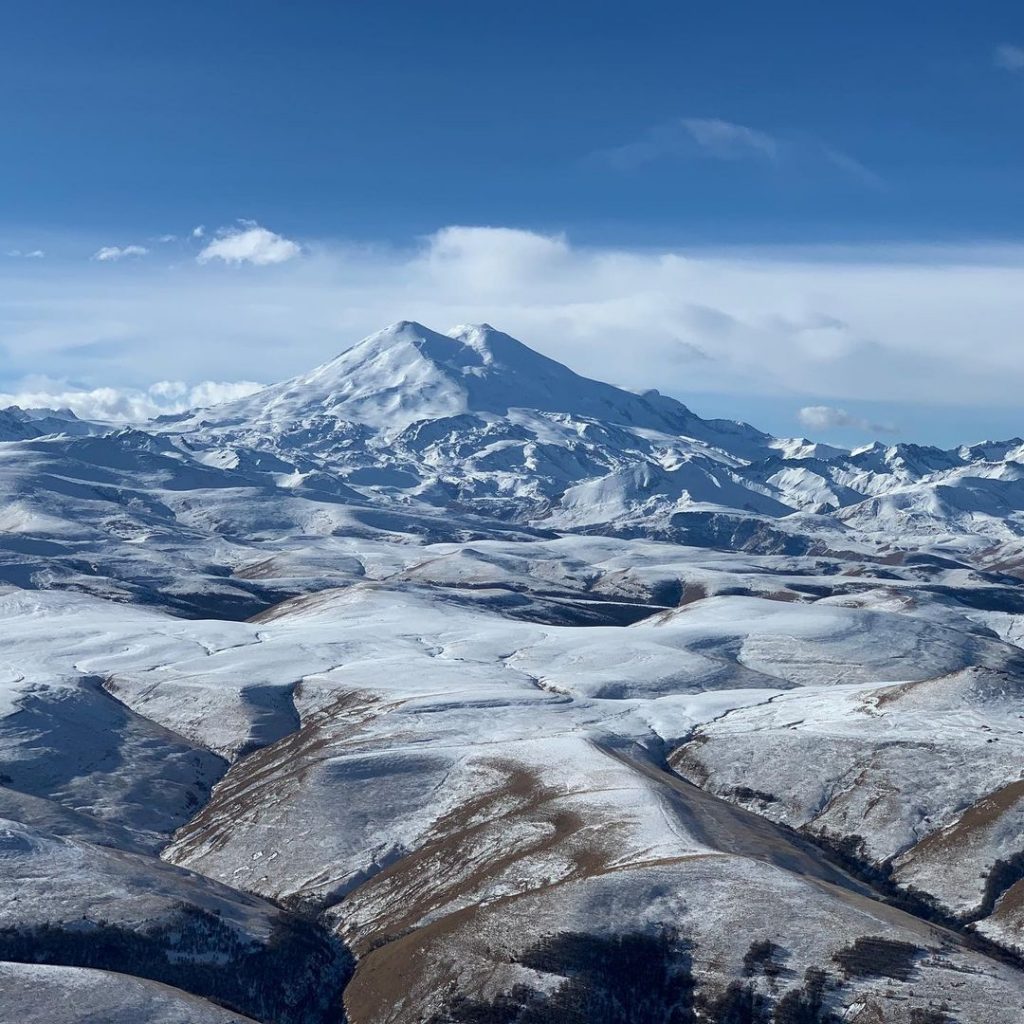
809 327
117 405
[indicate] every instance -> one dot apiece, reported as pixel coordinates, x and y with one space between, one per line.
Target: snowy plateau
441 684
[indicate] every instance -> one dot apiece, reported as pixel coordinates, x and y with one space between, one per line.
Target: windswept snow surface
441 653
38 994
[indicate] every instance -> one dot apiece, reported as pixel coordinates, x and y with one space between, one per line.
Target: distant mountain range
476 417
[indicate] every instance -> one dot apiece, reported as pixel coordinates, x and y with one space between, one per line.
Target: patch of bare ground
894 558
264 569
280 767
515 821
516 839
692 593
979 815
304 602
886 695
1010 905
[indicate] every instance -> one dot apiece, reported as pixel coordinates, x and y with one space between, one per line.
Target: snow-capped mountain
475 417
407 373
17 424
442 684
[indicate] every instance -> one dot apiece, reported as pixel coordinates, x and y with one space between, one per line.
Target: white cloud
694 136
729 141
31 254
198 231
827 417
113 253
1010 58
851 167
113 404
249 243
484 260
712 137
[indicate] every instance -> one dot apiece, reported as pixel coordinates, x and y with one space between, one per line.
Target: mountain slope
410 646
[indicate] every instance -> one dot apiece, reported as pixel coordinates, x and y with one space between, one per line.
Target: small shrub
806 1005
929 1016
1001 876
738 1004
763 957
623 979
746 793
875 957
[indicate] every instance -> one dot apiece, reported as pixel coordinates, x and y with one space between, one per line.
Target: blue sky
391 119
871 135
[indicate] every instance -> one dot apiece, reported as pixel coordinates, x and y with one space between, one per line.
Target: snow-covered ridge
17 424
477 417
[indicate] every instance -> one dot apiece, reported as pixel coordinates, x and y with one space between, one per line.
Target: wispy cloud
113 253
728 141
694 136
1009 57
851 167
30 254
828 417
249 243
113 404
716 139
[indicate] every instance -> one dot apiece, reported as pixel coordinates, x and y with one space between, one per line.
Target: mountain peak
407 372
